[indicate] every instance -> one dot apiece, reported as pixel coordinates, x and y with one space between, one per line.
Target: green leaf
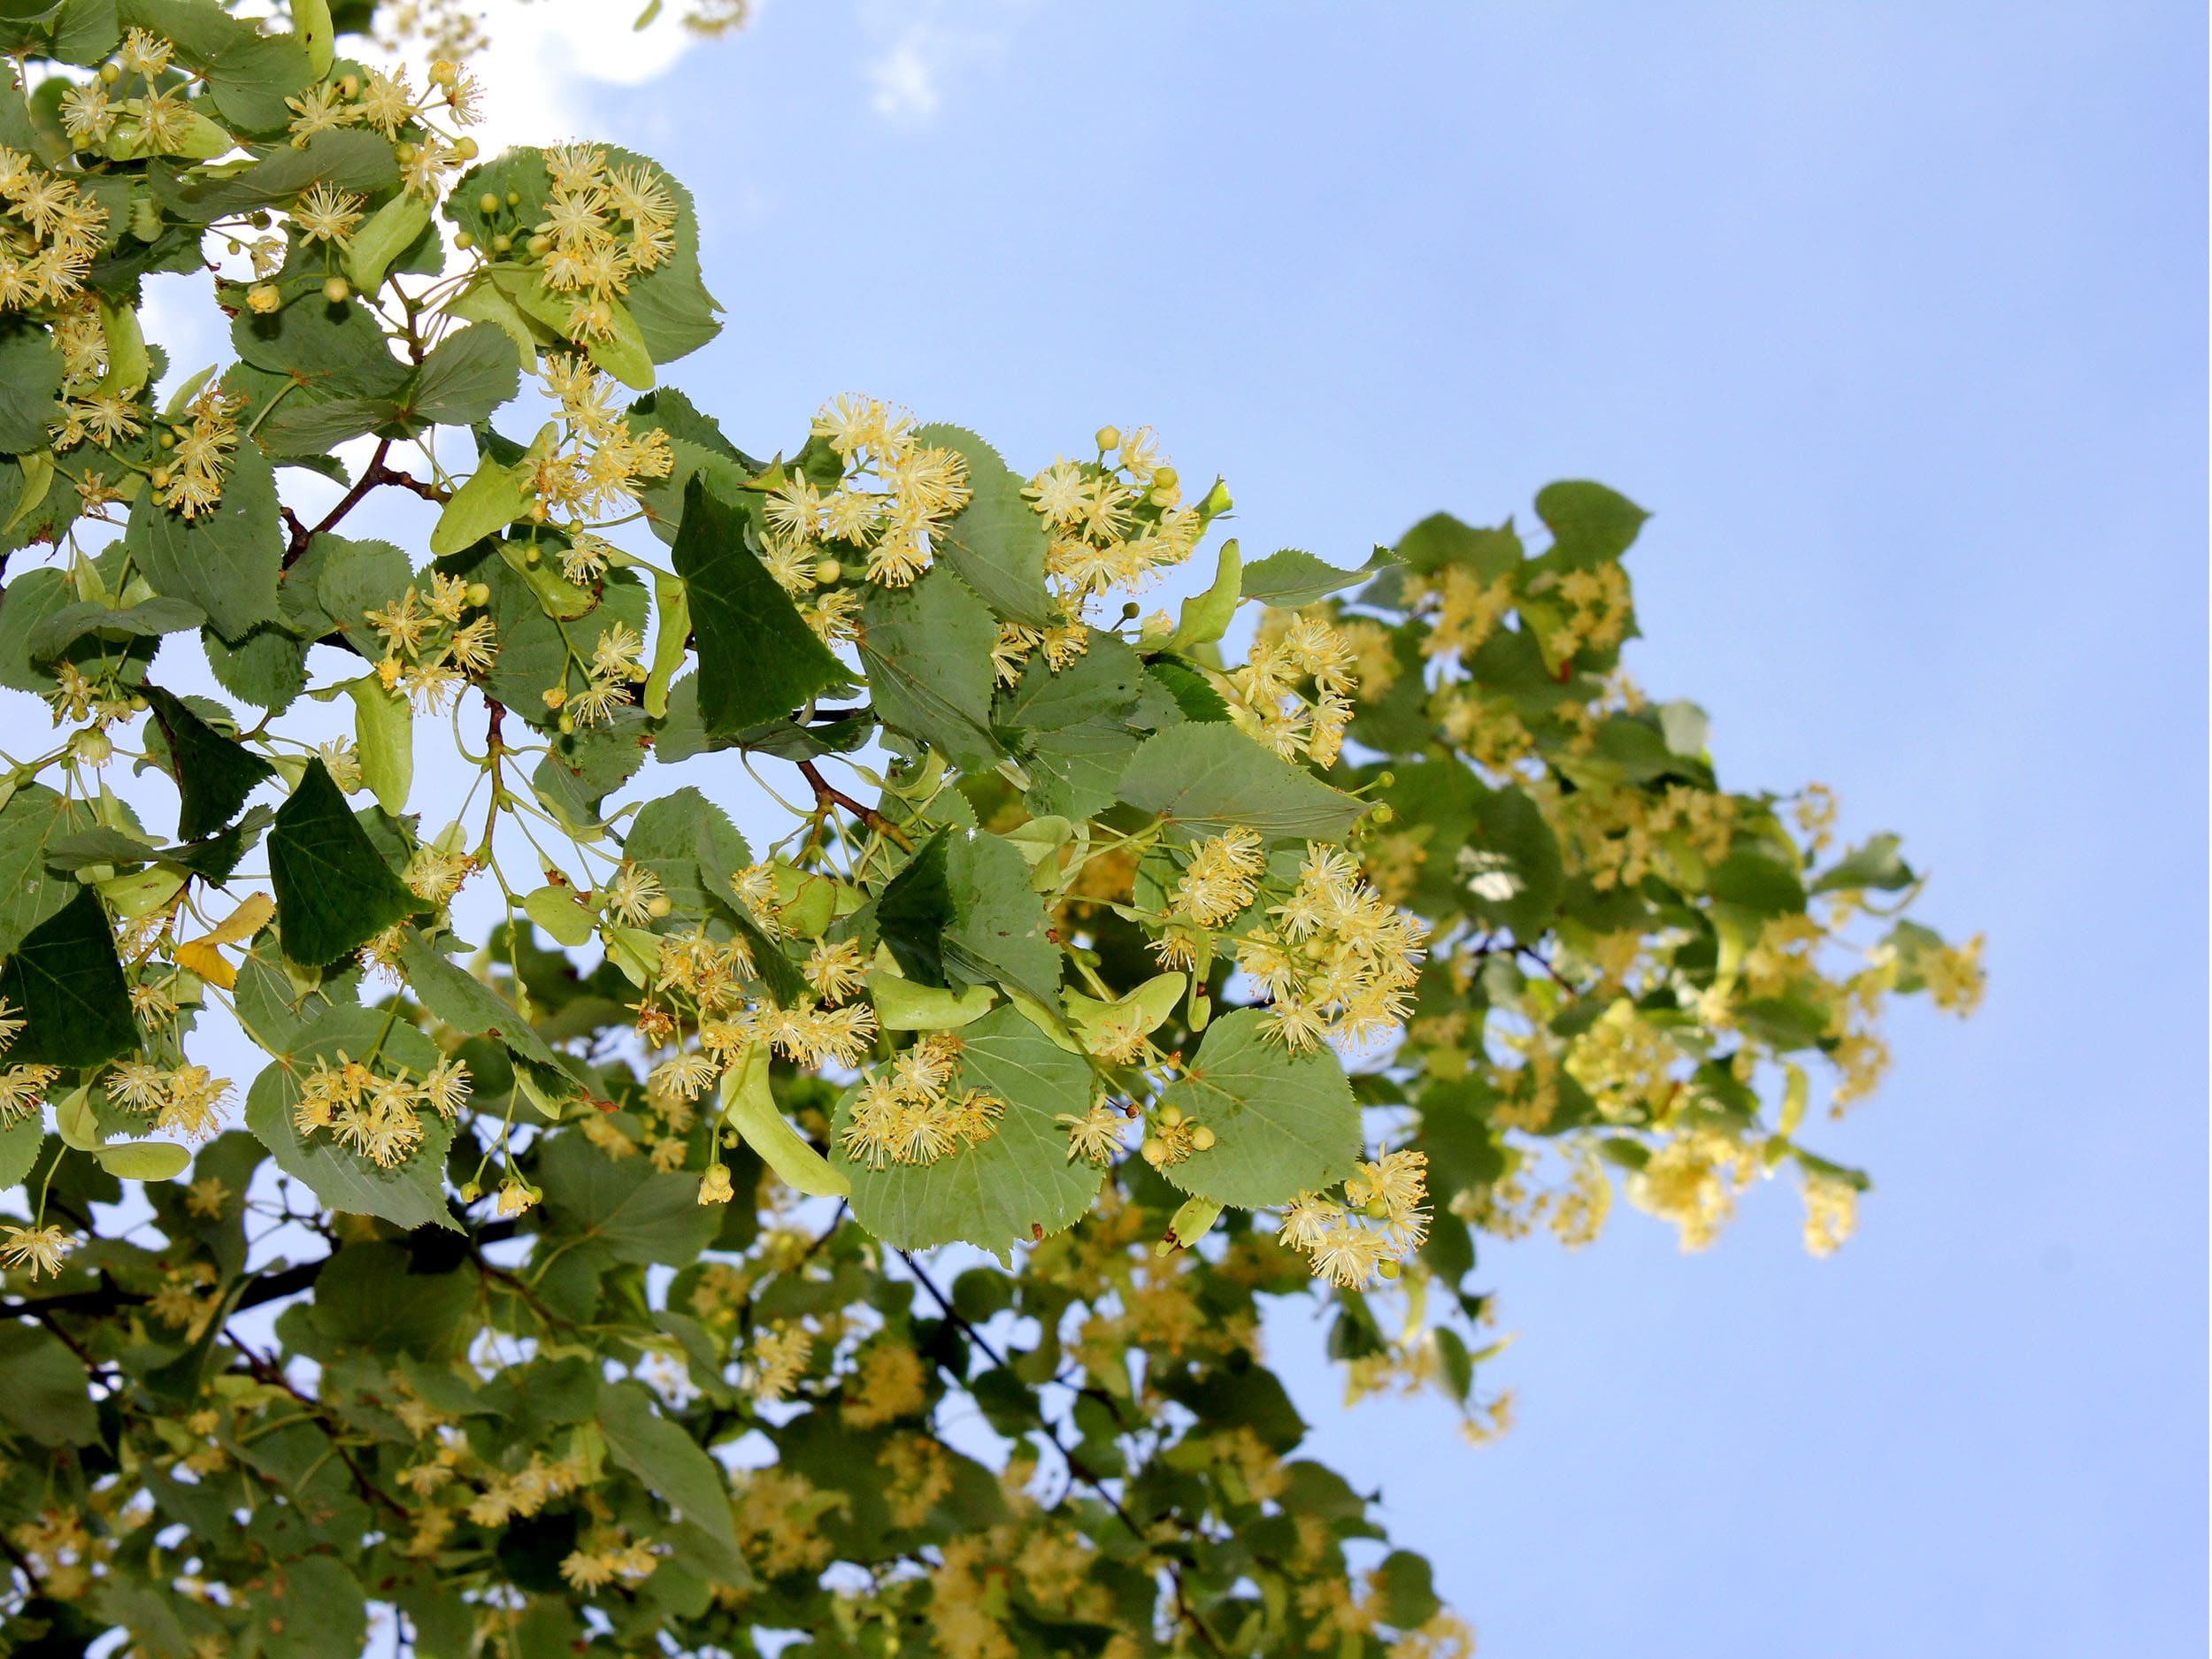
19 1142
1291 578
690 844
369 1295
324 350
349 158
410 1195
927 650
62 628
384 736
25 605
311 1608
1872 864
637 1212
456 996
1439 540
1074 730
389 234
267 668
997 542
998 923
1002 1190
559 911
492 498
1589 523
226 561
44 1393
30 819
913 910
251 73
757 658
1205 779
214 773
749 1107
30 380
1205 617
671 641
333 891
674 1465
1283 1123
144 1160
65 978
905 1005
466 376
298 427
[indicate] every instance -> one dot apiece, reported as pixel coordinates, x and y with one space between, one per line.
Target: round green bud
530 554
478 594
168 439
501 243
350 85
488 202
336 290
1165 477
1380 812
462 239
514 198
828 571
1375 1210
1109 438
1171 1115
1387 1268
258 219
567 724
1153 1152
658 905
405 151
1200 1138
464 147
471 1192
538 246
111 73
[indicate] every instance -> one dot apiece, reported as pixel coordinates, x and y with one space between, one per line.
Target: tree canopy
643 1236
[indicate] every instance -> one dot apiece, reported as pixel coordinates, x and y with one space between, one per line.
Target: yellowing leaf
202 958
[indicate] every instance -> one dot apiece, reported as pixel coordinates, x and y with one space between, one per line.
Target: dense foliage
640 1237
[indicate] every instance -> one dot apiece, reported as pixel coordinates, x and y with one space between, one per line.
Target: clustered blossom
602 226
184 1100
1383 1220
1288 649
429 652
891 501
375 1114
908 1112
595 474
1339 960
48 236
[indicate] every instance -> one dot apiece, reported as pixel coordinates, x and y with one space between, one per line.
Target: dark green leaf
463 1002
635 1212
757 658
998 926
33 816
1292 578
1193 696
912 910
1075 730
333 891
64 627
1872 864
44 1393
465 377
325 350
25 605
369 1295
268 667
65 978
214 773
350 159
1439 540
30 378
1589 523
673 1464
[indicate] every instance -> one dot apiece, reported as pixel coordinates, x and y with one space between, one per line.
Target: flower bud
336 289
658 906
1165 477
501 243
1200 1138
463 240
1153 1152
1170 1116
538 246
514 198
350 85
478 594
442 70
828 571
1387 1268
488 202
111 73
471 1192
263 297
464 147
1109 438
405 151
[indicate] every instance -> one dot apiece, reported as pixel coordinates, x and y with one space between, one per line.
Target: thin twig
827 796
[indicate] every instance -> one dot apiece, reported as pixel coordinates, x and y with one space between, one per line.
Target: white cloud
921 42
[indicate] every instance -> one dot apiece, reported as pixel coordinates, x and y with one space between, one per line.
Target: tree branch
373 475
827 796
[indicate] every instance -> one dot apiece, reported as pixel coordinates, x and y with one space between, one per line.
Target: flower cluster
389 105
377 1116
1340 961
429 651
602 226
1112 523
594 474
1383 1220
22 1087
185 1099
908 1112
1288 650
893 499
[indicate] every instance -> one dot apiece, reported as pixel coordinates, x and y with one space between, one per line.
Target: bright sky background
1895 317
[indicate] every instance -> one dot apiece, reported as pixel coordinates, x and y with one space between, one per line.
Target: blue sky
1895 317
